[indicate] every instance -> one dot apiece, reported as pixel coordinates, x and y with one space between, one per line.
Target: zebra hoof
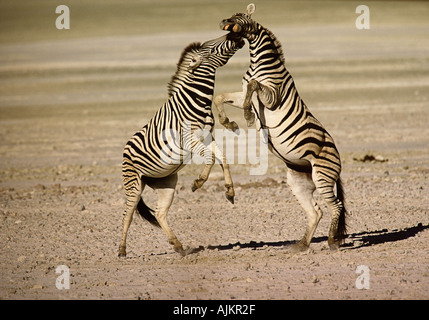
122 253
198 183
233 126
179 250
251 120
299 247
230 198
333 243
334 246
250 117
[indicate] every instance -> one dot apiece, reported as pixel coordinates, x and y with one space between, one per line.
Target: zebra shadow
370 238
353 241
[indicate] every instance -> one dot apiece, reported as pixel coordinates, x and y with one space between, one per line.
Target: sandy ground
67 107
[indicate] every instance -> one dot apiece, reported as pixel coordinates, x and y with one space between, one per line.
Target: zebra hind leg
133 189
165 188
302 187
337 230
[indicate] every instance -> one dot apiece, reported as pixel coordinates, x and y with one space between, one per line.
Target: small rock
38 286
39 187
315 279
380 158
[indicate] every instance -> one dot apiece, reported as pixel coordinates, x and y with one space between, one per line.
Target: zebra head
213 53
202 59
241 24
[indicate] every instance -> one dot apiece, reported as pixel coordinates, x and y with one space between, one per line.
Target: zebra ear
195 62
250 9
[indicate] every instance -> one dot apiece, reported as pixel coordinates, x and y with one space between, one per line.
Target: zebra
155 154
293 134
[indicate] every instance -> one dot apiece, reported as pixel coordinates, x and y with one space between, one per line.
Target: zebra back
161 146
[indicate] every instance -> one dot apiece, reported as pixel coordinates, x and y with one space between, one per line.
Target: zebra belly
291 159
281 144
154 157
147 166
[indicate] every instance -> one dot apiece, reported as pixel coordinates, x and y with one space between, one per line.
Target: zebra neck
264 46
200 81
194 93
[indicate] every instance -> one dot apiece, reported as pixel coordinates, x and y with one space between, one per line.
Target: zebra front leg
203 177
268 96
252 87
234 99
210 153
230 193
200 148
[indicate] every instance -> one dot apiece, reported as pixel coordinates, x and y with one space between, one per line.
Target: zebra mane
276 45
174 83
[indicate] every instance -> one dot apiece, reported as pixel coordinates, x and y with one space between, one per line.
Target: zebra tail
342 224
147 213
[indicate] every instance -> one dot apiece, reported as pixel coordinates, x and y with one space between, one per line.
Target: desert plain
70 100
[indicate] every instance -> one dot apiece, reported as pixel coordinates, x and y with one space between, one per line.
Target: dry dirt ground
67 107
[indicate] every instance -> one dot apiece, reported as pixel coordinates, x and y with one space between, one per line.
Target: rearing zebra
294 134
155 154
